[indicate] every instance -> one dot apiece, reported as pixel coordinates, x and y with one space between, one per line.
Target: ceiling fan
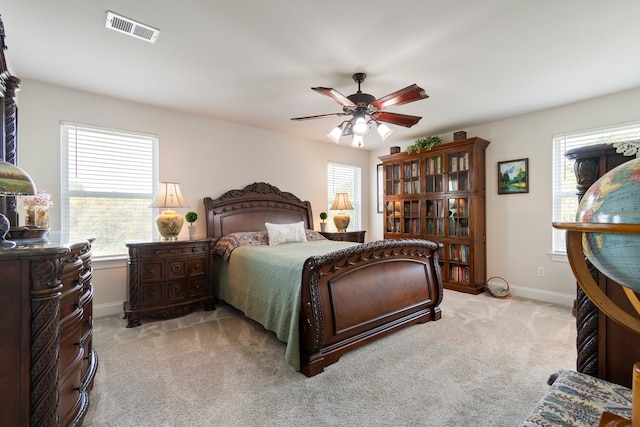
367 110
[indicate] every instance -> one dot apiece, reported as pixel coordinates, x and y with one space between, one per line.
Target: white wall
519 225
207 157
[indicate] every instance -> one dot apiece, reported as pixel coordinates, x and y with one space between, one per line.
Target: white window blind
565 199
343 178
109 178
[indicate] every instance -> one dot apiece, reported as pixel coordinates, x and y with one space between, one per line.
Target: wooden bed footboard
355 295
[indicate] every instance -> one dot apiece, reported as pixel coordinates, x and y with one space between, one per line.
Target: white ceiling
254 61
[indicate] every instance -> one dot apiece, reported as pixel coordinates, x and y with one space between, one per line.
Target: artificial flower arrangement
36 208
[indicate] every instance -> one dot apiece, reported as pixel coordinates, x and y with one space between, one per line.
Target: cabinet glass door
434 174
411 217
435 217
458 171
411 177
393 216
458 217
392 179
458 257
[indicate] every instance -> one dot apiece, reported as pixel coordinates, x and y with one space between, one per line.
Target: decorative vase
30 216
323 226
36 216
42 216
341 220
191 230
169 224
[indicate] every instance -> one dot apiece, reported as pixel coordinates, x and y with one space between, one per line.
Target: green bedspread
264 282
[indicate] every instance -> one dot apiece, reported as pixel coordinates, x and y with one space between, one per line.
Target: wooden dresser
169 278
605 349
47 361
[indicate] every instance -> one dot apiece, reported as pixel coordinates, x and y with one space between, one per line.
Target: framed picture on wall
513 176
380 189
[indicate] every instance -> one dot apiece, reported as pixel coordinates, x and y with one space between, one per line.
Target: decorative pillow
228 243
313 235
285 233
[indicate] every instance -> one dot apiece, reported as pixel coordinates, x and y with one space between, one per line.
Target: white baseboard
542 295
109 309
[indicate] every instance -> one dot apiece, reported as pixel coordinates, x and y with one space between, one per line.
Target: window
109 178
343 178
565 200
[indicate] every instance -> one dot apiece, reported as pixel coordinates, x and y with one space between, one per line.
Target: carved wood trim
45 340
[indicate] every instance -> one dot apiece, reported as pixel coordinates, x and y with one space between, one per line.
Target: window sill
113 261
559 257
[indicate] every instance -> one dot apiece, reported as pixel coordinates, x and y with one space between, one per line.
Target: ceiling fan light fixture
383 130
358 141
360 127
335 134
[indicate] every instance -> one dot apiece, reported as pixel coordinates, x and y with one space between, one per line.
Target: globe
614 199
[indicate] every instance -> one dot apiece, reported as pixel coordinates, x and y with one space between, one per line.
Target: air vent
134 29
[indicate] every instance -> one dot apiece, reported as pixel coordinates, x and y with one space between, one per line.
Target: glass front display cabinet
439 195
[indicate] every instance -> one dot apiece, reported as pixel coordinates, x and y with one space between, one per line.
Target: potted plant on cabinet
323 225
191 217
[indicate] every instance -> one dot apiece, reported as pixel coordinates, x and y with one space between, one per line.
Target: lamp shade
384 131
13 182
335 134
169 223
341 202
169 196
360 127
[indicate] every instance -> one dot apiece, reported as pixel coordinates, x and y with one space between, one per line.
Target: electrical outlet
540 271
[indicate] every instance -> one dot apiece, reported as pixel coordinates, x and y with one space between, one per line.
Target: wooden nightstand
347 236
169 279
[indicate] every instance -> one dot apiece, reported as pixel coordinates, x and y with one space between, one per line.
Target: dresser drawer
151 294
151 270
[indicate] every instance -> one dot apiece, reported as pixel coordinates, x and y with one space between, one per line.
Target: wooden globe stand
580 269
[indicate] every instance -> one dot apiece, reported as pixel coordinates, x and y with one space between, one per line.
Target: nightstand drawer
177 291
182 249
196 266
197 287
176 269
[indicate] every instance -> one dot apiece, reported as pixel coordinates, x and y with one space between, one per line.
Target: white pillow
285 233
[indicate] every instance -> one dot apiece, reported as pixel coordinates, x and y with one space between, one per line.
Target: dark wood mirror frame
9 86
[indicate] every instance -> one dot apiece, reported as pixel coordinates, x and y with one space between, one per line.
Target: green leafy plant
191 217
323 216
427 143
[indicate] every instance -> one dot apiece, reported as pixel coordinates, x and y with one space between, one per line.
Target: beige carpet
485 363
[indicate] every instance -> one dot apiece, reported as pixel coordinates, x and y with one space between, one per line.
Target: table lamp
13 182
341 219
169 223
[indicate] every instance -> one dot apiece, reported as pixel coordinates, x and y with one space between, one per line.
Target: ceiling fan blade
402 96
335 95
396 119
320 116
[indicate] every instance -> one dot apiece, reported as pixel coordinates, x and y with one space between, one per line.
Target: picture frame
513 176
380 189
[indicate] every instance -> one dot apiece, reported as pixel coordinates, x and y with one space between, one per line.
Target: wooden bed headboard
248 209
